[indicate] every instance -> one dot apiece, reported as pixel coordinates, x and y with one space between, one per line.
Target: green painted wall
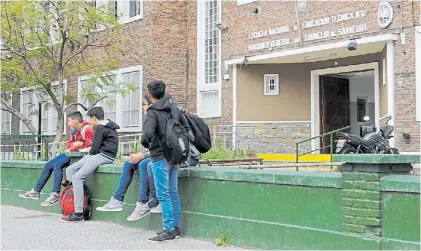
255 208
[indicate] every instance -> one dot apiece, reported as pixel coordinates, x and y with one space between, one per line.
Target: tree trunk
20 116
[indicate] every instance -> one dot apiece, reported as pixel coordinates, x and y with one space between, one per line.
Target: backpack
202 139
67 202
177 139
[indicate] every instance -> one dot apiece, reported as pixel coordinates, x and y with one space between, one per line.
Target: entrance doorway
332 100
334 107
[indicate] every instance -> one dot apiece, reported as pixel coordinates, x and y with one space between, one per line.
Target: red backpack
67 202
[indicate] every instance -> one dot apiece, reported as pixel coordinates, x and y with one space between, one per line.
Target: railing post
331 149
296 153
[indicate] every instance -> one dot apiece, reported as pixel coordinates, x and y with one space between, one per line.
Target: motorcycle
369 142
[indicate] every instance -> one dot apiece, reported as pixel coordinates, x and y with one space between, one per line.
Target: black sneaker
72 218
177 232
163 236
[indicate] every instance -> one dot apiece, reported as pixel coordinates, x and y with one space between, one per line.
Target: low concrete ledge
378 158
400 183
311 179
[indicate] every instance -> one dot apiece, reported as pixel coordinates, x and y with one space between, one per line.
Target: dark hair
157 89
75 115
146 98
97 112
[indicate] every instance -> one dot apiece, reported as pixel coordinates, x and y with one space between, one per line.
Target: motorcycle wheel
348 150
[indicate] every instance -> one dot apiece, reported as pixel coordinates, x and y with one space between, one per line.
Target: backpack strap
83 131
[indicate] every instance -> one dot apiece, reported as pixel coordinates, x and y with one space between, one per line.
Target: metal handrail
297 155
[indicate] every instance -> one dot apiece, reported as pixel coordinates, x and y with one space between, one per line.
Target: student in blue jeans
80 140
145 204
165 175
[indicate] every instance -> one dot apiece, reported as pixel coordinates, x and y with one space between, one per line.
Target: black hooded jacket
155 126
105 139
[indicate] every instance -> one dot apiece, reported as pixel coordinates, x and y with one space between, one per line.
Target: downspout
298 23
401 28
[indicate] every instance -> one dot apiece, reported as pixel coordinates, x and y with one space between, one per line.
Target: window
6 119
125 109
30 108
271 84
131 103
28 102
208 100
241 2
126 11
209 53
361 109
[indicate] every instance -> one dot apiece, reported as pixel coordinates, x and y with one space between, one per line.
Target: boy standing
165 175
103 151
80 140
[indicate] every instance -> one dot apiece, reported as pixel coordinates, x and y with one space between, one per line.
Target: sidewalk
23 229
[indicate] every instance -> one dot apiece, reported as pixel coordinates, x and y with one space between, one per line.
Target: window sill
132 19
247 2
130 129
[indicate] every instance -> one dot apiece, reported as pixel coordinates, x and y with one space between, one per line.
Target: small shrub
224 153
222 240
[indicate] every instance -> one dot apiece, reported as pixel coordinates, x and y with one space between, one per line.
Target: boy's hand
135 158
77 144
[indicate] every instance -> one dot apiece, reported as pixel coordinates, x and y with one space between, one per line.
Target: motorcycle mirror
366 118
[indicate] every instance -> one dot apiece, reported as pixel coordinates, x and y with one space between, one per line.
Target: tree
44 43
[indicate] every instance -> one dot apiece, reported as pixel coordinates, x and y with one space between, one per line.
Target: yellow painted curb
291 157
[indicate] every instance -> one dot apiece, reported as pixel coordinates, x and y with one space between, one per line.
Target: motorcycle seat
367 142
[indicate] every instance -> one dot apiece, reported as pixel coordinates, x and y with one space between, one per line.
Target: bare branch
83 106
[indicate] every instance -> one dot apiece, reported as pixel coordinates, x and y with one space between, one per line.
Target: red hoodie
85 134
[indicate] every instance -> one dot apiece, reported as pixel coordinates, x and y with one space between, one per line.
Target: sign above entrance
385 14
329 20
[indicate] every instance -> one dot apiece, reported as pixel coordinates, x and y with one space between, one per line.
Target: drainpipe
298 23
401 28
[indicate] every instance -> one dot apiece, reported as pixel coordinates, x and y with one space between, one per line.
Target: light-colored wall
293 101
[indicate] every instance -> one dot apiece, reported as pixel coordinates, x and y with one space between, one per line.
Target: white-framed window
6 119
125 10
29 103
209 63
241 2
28 108
271 82
125 109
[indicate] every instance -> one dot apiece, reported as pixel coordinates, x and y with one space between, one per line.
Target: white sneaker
139 212
157 209
112 206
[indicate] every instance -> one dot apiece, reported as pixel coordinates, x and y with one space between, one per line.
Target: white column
390 66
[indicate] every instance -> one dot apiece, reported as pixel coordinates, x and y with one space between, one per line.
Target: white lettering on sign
267 45
334 19
258 34
280 42
279 30
315 23
259 46
352 29
317 36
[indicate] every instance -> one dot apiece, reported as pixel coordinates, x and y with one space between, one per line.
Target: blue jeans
166 178
54 165
146 186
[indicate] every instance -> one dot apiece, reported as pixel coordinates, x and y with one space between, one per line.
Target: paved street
23 229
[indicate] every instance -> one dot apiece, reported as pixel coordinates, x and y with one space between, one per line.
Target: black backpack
202 138
177 139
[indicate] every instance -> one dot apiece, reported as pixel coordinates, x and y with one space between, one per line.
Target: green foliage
222 240
47 42
219 152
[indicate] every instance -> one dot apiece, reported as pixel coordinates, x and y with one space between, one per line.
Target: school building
274 72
